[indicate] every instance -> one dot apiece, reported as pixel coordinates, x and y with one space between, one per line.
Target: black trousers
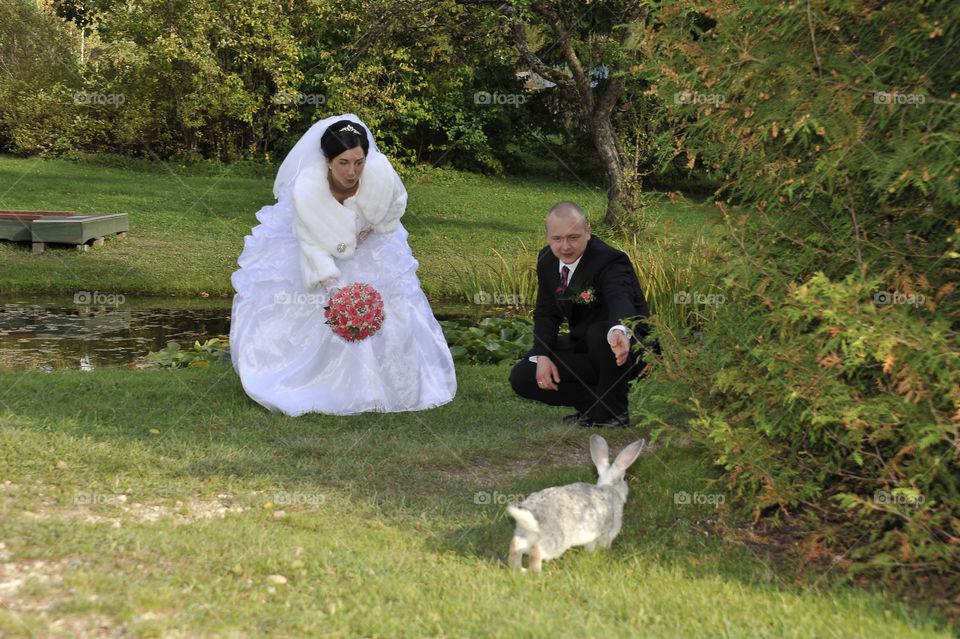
590 379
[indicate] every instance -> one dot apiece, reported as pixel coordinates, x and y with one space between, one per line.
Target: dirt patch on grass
118 508
35 589
564 454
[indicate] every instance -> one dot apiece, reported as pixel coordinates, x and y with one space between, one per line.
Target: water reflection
93 332
49 333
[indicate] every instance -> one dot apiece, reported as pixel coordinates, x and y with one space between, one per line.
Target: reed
509 280
671 275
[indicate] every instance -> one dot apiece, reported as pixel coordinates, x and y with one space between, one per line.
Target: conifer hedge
826 385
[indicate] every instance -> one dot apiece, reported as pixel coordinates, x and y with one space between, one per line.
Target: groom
595 288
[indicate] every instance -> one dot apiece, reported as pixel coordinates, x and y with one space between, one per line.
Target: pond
94 330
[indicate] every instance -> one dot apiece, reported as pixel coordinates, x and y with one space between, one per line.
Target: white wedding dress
288 358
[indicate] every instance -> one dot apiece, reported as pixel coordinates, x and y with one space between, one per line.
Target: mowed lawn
165 503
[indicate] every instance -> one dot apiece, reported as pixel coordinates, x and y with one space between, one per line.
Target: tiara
348 128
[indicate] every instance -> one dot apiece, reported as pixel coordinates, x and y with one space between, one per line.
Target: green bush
824 403
36 104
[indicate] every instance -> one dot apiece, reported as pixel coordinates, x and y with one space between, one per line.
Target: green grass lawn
187 225
164 503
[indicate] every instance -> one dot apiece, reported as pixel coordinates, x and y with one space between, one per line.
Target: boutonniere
586 296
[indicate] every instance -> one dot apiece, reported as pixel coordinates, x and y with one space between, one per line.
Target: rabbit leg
535 561
607 540
517 546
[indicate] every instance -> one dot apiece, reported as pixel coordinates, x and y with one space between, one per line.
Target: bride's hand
364 235
332 285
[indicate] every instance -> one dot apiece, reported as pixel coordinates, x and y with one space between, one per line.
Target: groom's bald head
568 211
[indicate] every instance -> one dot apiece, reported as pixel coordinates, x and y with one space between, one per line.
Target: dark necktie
563 280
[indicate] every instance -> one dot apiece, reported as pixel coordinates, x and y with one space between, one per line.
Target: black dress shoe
613 421
575 417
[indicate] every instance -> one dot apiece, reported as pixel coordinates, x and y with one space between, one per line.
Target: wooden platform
60 227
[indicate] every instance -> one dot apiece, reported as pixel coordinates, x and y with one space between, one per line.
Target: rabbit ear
629 454
599 452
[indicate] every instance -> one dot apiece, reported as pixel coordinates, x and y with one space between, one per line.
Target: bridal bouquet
355 312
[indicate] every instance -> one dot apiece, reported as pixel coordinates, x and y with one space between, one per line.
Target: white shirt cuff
620 327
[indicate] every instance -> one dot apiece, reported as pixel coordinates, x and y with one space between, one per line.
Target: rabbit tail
525 519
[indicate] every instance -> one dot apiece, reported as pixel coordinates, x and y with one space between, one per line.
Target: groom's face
567 237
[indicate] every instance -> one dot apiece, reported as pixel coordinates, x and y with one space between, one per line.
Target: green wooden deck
60 227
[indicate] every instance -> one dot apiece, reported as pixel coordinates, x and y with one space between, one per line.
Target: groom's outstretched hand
547 373
620 345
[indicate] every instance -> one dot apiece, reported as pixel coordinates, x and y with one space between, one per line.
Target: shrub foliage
827 385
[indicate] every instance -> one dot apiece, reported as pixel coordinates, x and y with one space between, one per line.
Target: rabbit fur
554 519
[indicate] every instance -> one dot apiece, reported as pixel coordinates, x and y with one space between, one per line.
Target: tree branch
519 32
856 226
580 79
813 41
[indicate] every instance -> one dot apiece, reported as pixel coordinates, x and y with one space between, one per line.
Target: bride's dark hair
343 135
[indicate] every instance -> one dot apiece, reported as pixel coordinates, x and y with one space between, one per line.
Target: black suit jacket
603 270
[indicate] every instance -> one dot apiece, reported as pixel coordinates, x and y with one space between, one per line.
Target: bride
336 221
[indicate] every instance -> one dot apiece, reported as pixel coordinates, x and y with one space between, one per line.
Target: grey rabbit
554 519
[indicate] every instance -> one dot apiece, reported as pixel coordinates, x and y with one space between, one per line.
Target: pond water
99 331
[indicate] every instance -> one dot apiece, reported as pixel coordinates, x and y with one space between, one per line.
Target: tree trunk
605 142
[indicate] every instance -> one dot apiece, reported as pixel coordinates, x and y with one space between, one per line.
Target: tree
413 70
591 57
36 67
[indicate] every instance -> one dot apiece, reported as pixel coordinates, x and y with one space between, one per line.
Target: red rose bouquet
355 312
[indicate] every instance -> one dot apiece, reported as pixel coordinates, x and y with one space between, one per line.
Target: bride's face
345 169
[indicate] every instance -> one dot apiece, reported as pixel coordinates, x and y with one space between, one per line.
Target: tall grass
670 275
510 280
